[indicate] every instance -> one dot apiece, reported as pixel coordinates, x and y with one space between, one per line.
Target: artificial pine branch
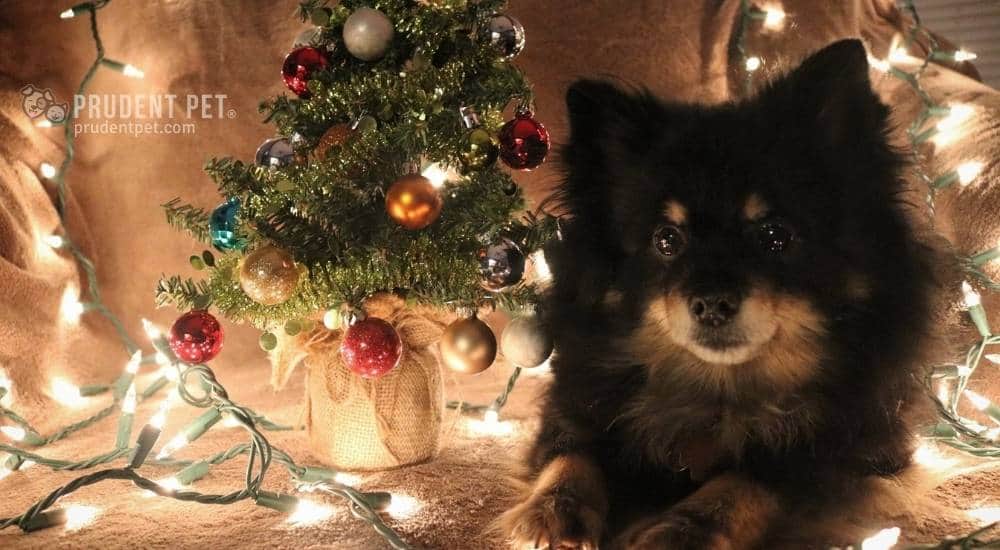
187 218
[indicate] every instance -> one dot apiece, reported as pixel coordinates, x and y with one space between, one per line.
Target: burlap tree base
358 424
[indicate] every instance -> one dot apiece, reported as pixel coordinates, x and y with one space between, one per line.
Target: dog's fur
660 431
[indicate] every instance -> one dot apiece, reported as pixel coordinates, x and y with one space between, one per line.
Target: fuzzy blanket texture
679 49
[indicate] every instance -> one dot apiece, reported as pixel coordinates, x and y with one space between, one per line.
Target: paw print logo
36 102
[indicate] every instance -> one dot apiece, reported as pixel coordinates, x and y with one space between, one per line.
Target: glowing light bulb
132 71
6 396
957 114
929 457
971 297
978 401
48 171
948 127
15 433
66 392
177 443
403 506
132 366
753 63
130 401
774 18
967 171
159 420
883 540
964 55
436 174
308 512
78 517
985 515
54 241
881 65
542 271
70 306
152 331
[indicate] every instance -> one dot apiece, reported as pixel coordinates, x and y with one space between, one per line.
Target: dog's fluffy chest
695 432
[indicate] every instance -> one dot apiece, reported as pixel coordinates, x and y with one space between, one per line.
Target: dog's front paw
555 520
674 531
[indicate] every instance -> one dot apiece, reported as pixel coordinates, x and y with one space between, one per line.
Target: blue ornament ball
224 225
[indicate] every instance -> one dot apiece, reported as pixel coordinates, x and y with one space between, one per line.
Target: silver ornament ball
275 153
368 34
507 34
525 343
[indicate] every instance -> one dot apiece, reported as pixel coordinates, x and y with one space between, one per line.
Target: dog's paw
553 520
674 531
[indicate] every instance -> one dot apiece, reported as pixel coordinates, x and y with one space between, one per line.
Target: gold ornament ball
413 202
468 346
335 136
269 275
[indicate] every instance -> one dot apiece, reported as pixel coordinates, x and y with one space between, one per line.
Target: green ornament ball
481 150
525 342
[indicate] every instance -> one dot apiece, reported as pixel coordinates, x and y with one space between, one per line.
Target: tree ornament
275 153
481 149
269 275
525 342
299 67
335 136
507 35
501 265
524 141
371 347
368 34
223 226
468 346
413 202
196 337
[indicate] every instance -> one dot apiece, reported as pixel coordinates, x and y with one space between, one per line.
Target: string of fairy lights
178 379
939 124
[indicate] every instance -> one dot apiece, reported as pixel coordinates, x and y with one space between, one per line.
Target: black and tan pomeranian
736 301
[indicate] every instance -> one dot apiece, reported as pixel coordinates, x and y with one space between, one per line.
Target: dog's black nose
715 309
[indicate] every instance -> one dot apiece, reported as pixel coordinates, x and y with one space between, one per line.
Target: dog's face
737 236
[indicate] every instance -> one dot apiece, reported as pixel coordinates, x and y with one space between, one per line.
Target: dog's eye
669 240
773 237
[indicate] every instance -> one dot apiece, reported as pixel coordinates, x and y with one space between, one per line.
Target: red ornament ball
196 337
371 348
299 66
524 142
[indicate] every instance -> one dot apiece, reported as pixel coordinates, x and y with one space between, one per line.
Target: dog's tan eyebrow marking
675 212
755 208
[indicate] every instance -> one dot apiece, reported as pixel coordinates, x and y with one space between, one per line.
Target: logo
36 102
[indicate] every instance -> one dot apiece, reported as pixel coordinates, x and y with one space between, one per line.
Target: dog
738 302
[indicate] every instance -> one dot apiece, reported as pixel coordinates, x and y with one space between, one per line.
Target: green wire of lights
215 399
954 429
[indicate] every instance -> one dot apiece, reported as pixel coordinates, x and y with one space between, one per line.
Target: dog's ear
832 94
610 133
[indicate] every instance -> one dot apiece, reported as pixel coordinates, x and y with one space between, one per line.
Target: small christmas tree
385 180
